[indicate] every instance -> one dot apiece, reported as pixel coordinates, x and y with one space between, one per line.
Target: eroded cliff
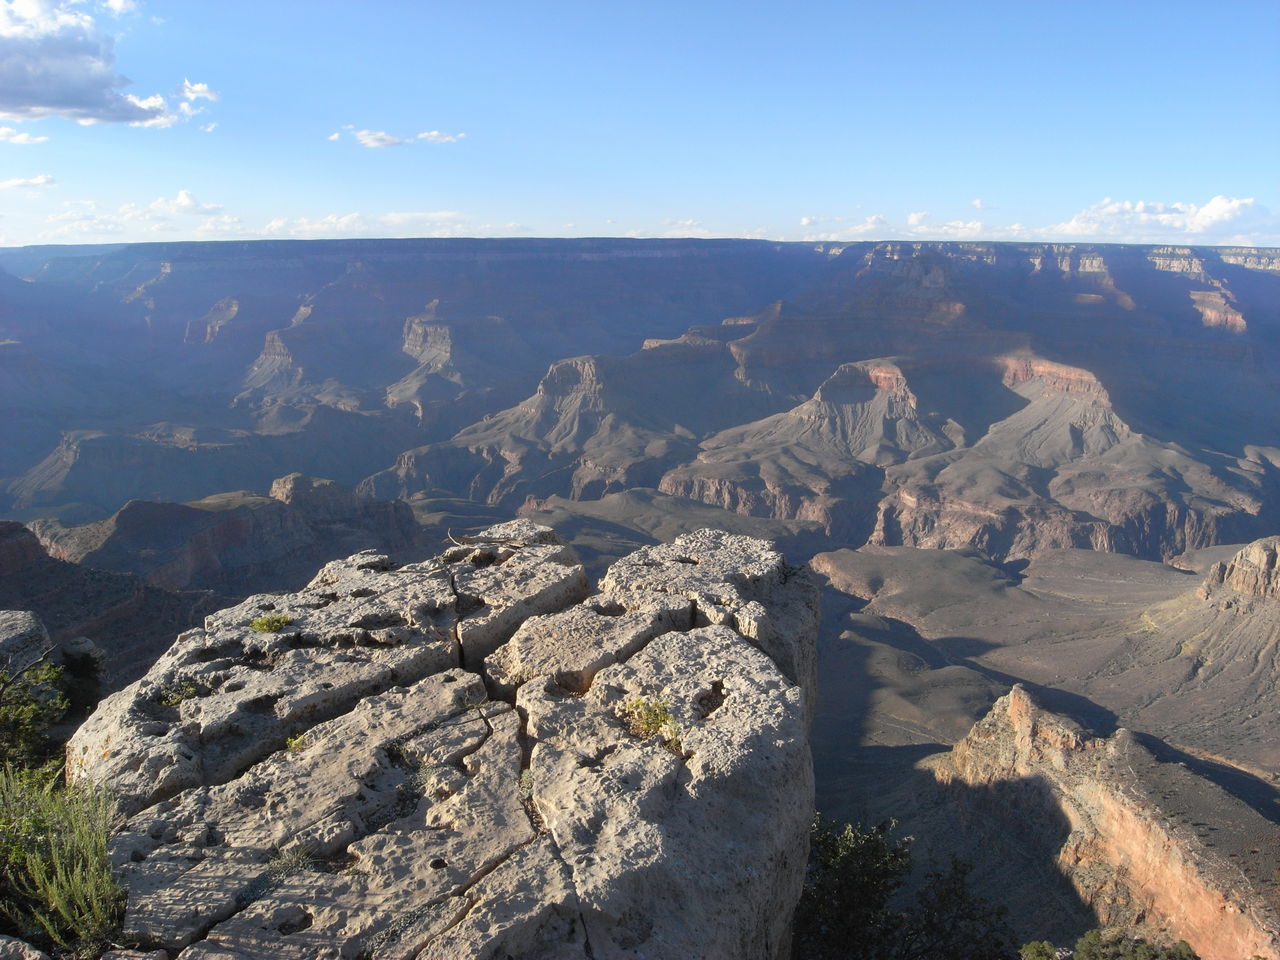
1146 844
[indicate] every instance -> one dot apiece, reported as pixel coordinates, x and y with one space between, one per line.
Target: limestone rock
634 816
226 696
734 580
344 787
23 639
570 647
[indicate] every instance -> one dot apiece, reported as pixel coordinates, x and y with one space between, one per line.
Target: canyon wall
1149 846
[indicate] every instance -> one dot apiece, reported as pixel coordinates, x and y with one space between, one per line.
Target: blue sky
183 119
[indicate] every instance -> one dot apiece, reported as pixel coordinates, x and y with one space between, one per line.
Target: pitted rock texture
734 580
1134 848
346 786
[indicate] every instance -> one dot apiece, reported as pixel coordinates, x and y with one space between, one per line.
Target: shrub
648 718
55 880
272 623
30 703
1096 945
847 907
175 693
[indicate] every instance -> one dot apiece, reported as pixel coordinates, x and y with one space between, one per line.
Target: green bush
848 907
272 623
31 701
1096 945
55 880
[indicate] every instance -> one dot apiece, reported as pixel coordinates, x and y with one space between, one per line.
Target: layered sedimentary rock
326 773
236 542
1148 845
1253 571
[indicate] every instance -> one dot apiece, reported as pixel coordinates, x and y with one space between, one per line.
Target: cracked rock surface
473 757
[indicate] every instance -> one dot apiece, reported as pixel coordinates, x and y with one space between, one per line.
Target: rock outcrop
326 773
236 542
1138 848
1253 571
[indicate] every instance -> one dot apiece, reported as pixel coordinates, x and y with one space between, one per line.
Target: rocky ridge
1131 844
235 542
475 756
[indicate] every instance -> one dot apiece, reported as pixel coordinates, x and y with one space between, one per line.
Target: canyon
1037 484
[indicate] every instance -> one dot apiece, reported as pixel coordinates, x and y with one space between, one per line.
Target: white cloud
875 224
197 91
208 127
435 136
55 61
377 138
335 136
182 203
10 135
980 204
438 223
918 218
41 180
1220 220
380 138
223 225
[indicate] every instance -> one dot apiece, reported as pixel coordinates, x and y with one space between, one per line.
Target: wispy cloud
41 180
380 138
1220 220
435 136
11 135
436 223
196 91
180 214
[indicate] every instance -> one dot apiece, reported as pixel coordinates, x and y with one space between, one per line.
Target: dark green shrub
55 882
848 906
1096 945
31 701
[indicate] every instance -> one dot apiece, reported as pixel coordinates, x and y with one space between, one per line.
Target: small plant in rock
175 693
291 859
272 623
646 718
296 744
